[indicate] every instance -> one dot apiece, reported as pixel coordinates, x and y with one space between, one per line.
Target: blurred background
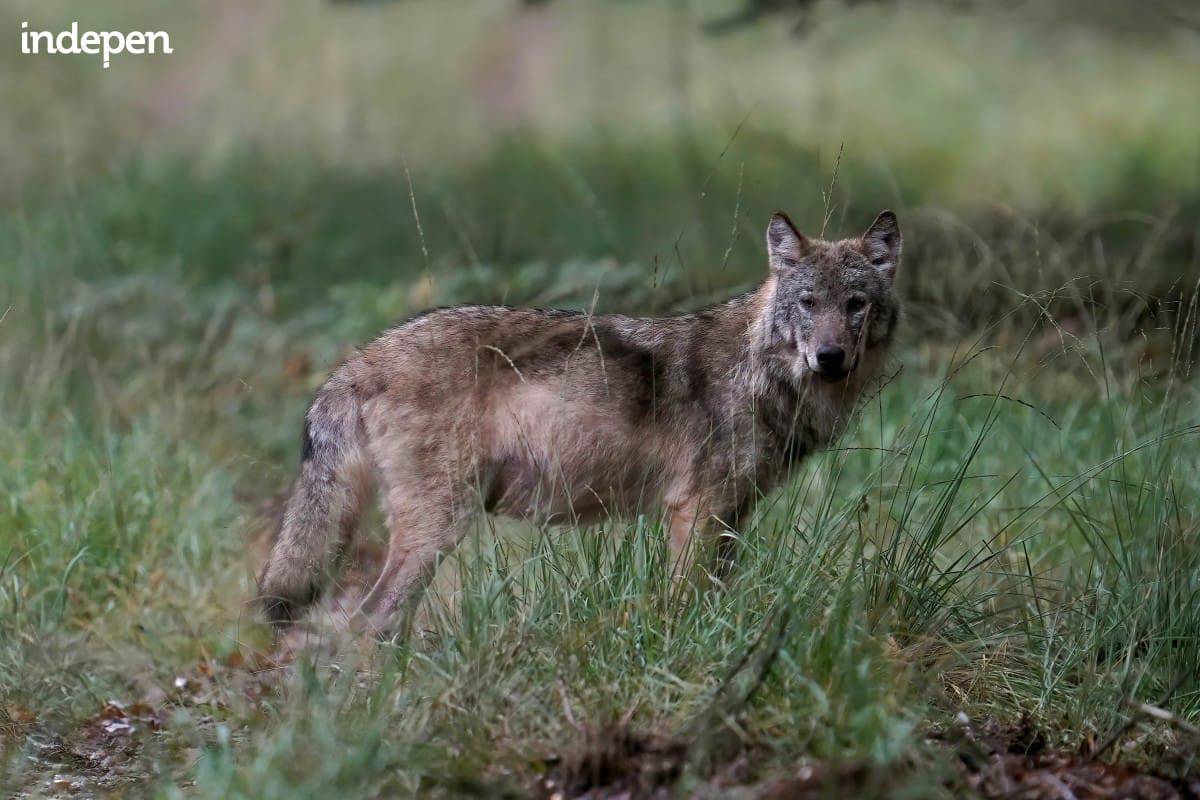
534 152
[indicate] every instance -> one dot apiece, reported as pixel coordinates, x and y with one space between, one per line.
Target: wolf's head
834 306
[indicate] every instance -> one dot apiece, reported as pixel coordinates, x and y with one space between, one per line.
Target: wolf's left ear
882 243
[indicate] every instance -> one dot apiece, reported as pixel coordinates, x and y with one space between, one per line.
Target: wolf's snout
830 357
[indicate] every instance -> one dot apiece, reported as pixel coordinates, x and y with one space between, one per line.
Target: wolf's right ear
785 245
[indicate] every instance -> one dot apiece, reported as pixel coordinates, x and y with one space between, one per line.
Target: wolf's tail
322 512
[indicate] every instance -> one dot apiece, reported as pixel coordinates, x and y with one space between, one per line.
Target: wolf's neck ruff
796 405
566 417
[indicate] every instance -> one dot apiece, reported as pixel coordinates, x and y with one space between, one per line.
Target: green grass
1010 530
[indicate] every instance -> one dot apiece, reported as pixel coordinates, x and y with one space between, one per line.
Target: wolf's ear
882 243
785 244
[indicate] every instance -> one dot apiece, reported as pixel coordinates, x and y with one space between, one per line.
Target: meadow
989 587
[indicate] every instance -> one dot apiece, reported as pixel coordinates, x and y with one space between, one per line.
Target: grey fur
559 416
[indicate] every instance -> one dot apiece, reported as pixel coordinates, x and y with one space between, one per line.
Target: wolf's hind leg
323 510
424 526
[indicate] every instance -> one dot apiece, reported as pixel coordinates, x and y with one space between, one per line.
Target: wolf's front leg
683 519
730 525
701 534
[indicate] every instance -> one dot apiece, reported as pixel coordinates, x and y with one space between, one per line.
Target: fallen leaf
117 727
113 709
20 714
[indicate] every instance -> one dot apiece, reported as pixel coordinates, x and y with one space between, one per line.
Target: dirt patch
990 761
112 750
619 763
1016 762
616 761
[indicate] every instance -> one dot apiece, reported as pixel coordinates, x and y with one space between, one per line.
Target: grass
1004 547
1009 532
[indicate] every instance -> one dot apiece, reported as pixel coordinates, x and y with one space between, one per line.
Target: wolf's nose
830 356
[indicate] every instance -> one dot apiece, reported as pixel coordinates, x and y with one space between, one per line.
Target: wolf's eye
807 302
855 304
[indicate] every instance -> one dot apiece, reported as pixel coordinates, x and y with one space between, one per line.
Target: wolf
566 417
